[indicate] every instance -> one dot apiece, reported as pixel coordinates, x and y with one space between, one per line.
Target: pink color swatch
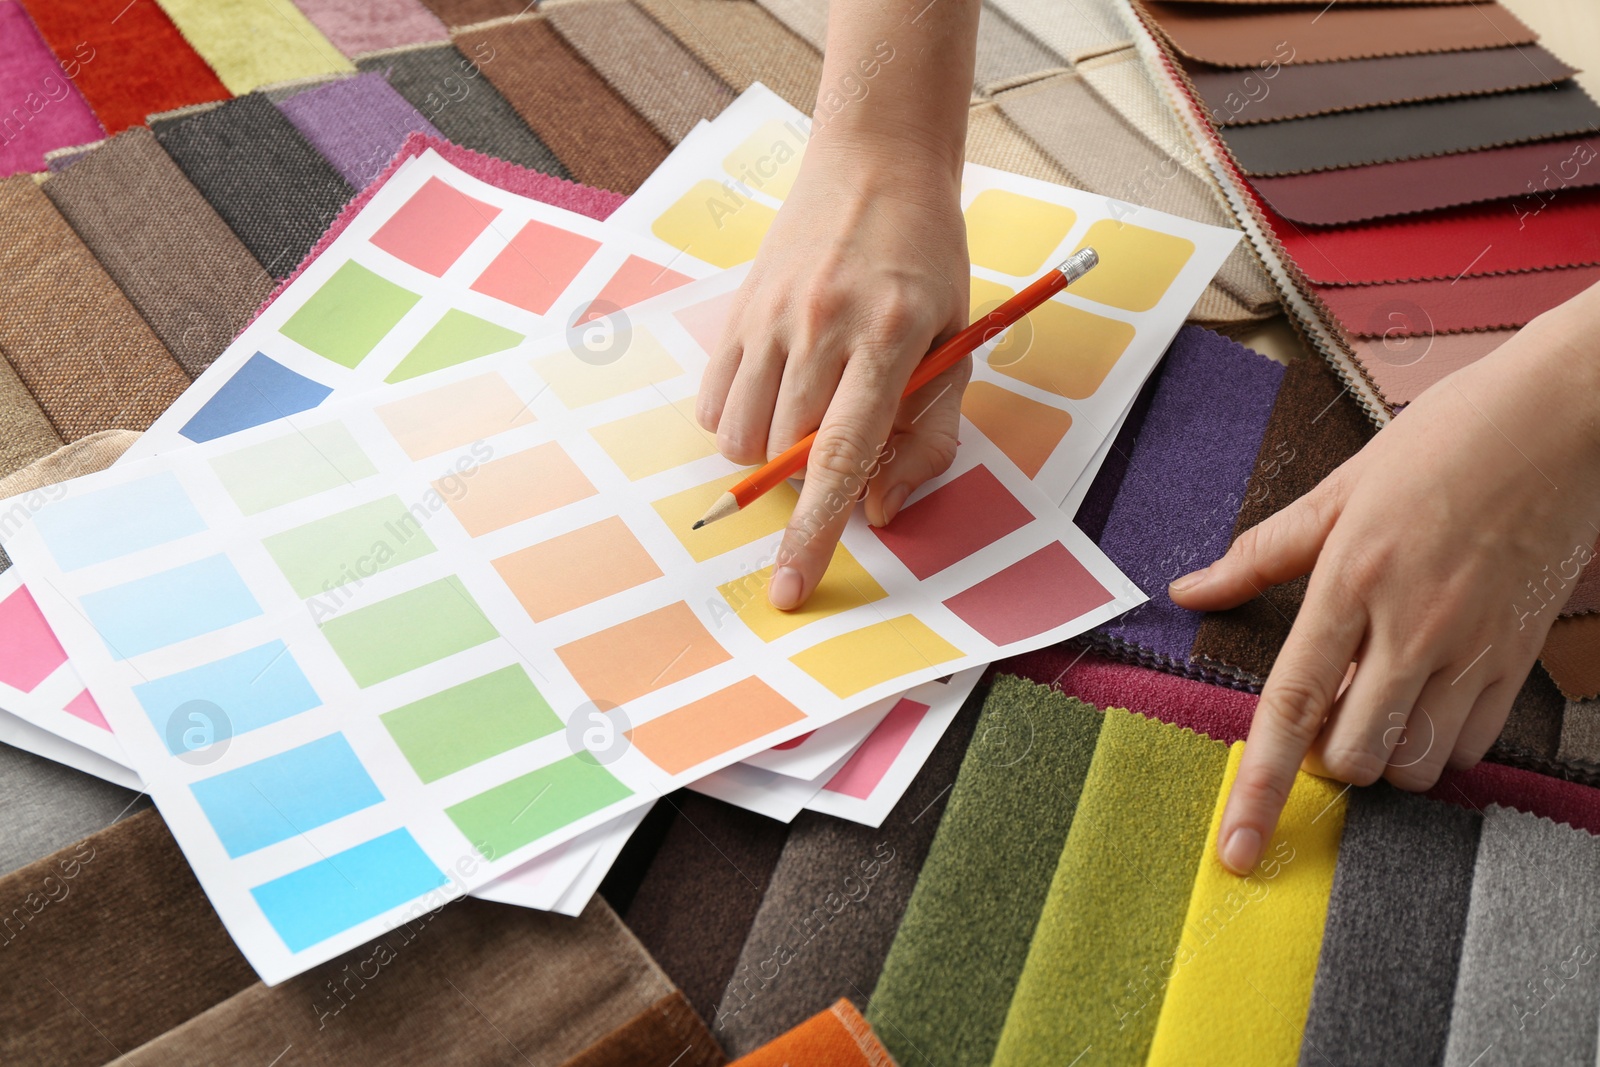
793 742
637 279
536 267
84 707
705 322
433 228
29 652
865 768
1033 595
957 519
40 108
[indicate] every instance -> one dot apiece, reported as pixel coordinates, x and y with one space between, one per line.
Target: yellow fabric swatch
769 159
862 658
766 516
845 585
715 223
1136 264
656 440
627 362
1241 982
251 43
1014 234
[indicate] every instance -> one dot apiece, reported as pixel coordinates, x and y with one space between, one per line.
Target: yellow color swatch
627 362
1241 982
577 568
1025 430
769 160
656 440
251 43
506 491
1015 342
863 658
846 585
715 223
454 415
1015 234
1070 352
766 516
1136 265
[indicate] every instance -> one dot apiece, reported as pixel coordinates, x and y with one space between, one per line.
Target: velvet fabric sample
251 43
25 431
448 89
600 139
664 1034
358 124
1464 305
178 262
356 27
1101 958
621 883
47 807
1535 724
69 333
1402 367
743 44
1572 656
834 904
43 108
954 964
266 181
1526 985
1392 942
1095 509
837 1037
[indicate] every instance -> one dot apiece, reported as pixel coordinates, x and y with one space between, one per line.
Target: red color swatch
433 228
952 522
1035 594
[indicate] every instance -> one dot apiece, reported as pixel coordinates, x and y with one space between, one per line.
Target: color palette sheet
500 535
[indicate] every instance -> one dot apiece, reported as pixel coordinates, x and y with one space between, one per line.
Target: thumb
922 444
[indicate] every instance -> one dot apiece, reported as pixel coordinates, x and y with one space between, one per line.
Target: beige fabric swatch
25 432
1073 29
994 141
1007 53
743 44
807 18
1120 80
86 455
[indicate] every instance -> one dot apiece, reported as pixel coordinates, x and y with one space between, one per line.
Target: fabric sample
1538 794
1096 974
600 139
84 456
837 1037
1072 31
47 807
1481 302
251 43
995 141
1402 367
175 258
129 61
448 89
1122 83
69 333
266 181
1230 35
808 19
660 78
743 44
1253 938
1007 53
1553 20
1580 732
664 1034
1185 479
25 431
1572 656
1315 426
1534 726
1095 509
1526 985
950 974
358 124
356 27
834 904
456 13
44 110
1387 972
1412 131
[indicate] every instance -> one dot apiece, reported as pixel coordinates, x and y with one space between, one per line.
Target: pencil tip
697 524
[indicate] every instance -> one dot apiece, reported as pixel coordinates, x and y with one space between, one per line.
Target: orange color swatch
1070 351
642 655
726 719
576 568
454 415
637 279
520 486
536 266
706 321
1025 430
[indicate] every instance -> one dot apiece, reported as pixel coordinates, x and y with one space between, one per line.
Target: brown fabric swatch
25 432
1239 97
591 129
1580 732
1262 34
1315 426
743 44
659 77
457 13
666 1034
72 337
1534 726
180 265
1572 656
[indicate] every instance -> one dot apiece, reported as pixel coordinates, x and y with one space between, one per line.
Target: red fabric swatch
1478 302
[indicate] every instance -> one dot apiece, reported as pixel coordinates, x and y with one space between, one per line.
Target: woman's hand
1439 556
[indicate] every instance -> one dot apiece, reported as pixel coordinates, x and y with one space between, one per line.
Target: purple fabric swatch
358 124
359 26
1096 507
40 109
1186 478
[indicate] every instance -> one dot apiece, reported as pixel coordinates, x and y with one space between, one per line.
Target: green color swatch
347 546
524 809
346 318
408 631
292 467
456 338
470 722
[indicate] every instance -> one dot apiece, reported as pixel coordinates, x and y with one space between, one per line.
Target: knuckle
1358 766
1261 792
838 453
1418 777
1467 755
1297 707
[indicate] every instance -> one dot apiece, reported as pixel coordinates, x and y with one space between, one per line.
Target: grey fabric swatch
1529 987
452 93
1387 972
45 806
1580 732
266 181
1007 52
1534 726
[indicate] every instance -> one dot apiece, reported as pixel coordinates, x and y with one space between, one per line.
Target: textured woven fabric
455 13
265 180
744 44
1095 509
42 108
128 60
837 1037
994 141
1109 933
1007 53
1534 726
251 43
84 456
356 27
666 1034
601 140
949 976
72 337
1527 985
449 90
1580 732
1121 82
807 19
1387 972
1571 654
660 78
358 124
47 807
25 431
172 255
1071 30
833 906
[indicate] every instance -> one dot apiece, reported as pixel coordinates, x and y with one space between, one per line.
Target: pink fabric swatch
84 707
40 109
359 26
30 652
866 767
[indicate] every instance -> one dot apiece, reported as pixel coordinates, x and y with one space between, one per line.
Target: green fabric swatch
1091 990
346 318
514 813
347 546
292 467
456 338
949 976
468 723
404 632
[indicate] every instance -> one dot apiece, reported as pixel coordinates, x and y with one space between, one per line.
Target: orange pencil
793 459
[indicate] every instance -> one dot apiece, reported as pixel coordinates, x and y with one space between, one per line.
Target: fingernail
893 500
1188 581
785 588
1239 855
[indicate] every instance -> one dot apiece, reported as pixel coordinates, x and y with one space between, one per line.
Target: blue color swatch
117 521
260 391
274 799
216 701
169 607
349 887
